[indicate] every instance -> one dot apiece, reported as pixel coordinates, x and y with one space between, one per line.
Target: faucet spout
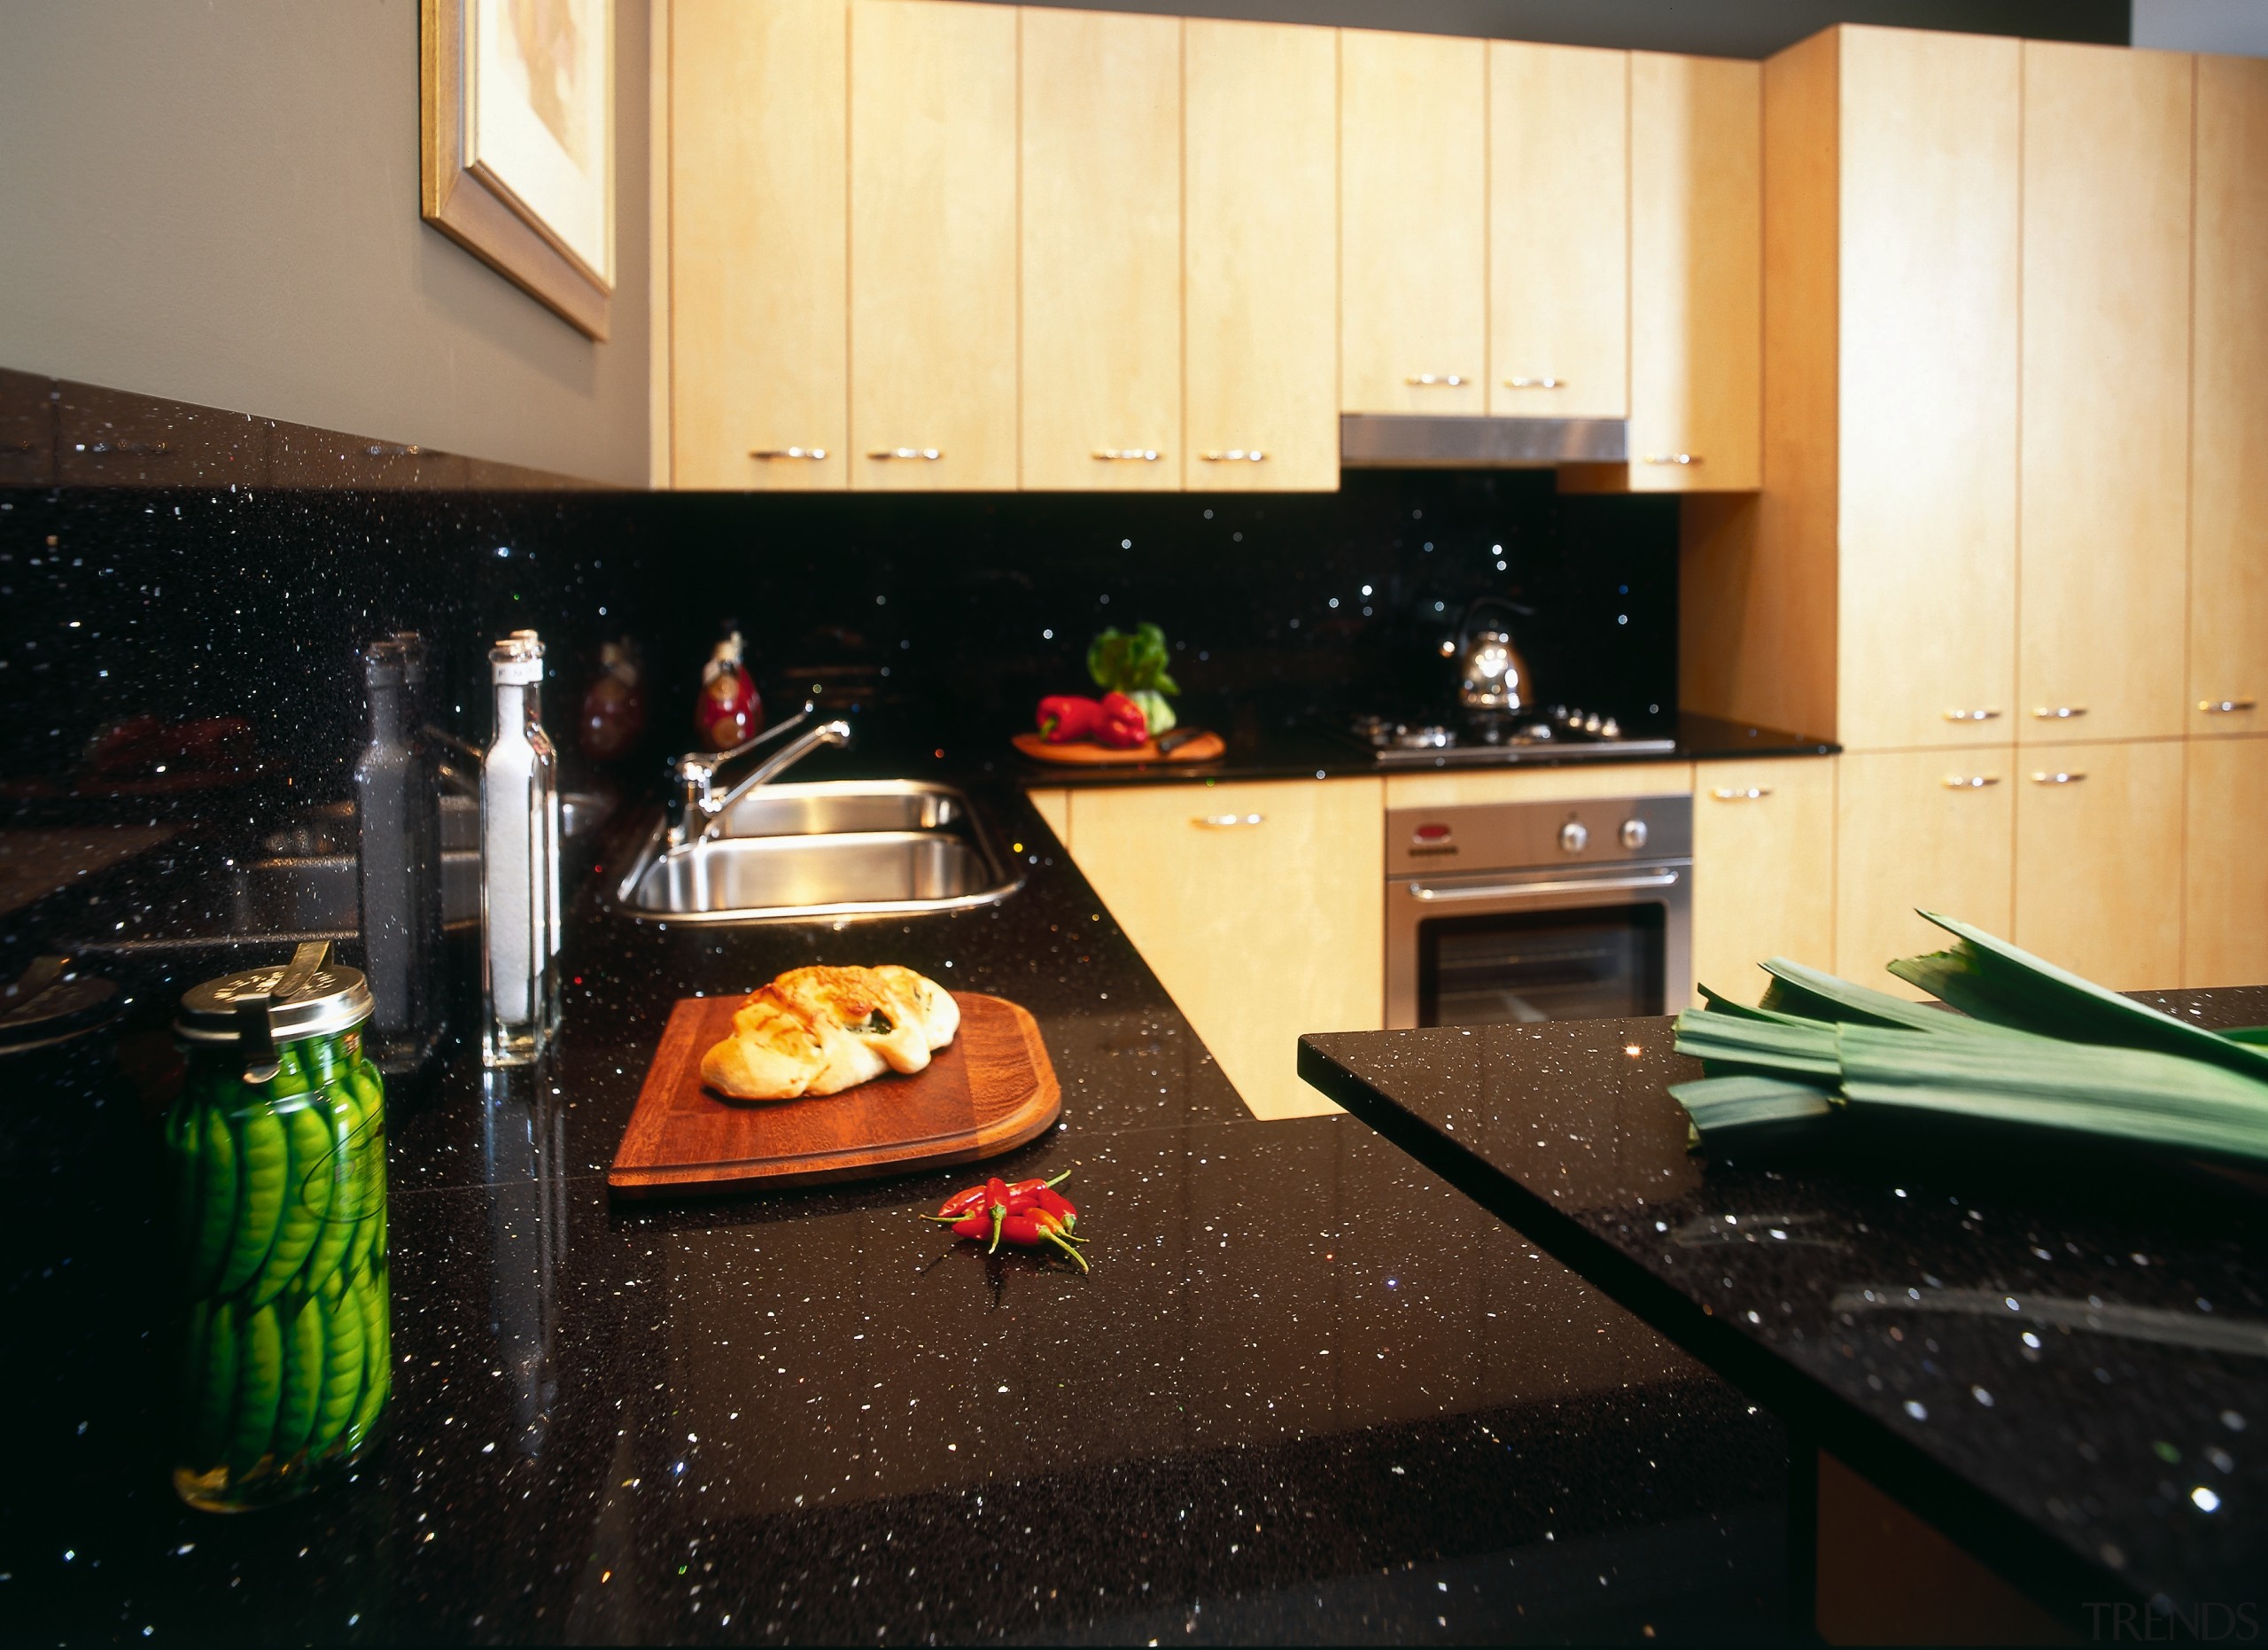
695 812
836 732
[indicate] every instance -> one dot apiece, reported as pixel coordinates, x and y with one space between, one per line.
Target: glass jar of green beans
277 1160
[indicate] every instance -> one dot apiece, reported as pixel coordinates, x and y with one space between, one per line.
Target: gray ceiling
1725 28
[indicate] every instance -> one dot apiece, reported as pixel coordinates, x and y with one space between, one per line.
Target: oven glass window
1540 965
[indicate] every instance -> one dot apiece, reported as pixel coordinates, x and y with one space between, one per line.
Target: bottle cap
517 658
323 1000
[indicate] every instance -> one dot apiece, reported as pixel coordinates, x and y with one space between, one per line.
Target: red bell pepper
1124 725
1064 717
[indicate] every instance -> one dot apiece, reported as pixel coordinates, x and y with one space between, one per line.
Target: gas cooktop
1558 735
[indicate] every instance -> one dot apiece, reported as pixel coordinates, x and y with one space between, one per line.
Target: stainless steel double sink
841 849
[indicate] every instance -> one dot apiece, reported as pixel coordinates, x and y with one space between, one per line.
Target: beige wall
219 204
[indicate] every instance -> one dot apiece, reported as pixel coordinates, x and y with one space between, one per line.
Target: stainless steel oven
1538 911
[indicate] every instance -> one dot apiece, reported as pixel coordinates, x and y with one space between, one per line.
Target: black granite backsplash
184 604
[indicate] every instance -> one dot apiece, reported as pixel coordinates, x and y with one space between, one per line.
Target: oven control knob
1574 836
1634 833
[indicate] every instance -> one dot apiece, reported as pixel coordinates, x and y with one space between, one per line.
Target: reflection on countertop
2056 1353
1310 1390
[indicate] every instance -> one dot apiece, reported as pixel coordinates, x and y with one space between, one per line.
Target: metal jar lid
256 1008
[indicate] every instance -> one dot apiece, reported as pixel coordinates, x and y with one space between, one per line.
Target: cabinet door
758 194
2228 475
933 245
1927 419
1261 907
1260 257
2104 470
1696 251
2225 936
1763 870
1928 828
2099 844
1413 156
1559 231
1102 237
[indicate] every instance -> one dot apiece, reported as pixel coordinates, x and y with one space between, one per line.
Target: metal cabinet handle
813 452
1140 455
1671 458
2058 778
929 454
1971 716
1970 781
1227 821
1545 382
1741 793
2222 707
1233 455
1569 885
1451 379
2058 713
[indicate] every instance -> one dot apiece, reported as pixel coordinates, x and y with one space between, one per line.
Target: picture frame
517 144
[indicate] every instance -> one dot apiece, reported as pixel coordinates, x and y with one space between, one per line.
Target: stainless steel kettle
1492 674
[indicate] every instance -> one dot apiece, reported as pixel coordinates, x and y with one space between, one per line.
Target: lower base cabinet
1259 906
2225 930
1763 870
2098 882
1933 829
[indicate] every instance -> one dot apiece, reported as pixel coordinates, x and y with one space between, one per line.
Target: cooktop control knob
1574 836
1633 834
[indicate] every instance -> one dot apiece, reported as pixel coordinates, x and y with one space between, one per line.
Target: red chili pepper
1037 1227
1064 717
1124 725
1021 1194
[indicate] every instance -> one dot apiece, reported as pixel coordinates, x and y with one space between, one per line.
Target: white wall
2238 27
218 203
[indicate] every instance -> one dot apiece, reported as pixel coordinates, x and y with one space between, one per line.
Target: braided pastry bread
819 1030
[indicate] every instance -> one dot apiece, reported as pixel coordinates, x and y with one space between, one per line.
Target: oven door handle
1567 885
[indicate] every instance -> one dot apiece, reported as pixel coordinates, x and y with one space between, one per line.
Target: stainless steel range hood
1416 441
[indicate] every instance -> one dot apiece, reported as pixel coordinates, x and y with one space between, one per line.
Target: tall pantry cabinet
2000 549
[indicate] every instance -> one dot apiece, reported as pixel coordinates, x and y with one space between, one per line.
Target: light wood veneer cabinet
1559 231
1763 869
932 245
2228 459
1413 157
2104 466
1695 274
1101 251
1260 907
2099 860
1927 829
1260 257
1918 473
758 204
2225 929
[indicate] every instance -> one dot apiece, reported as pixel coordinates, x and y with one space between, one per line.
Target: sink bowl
847 848
829 809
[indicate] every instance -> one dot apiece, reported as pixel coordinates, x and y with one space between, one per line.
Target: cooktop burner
1558 735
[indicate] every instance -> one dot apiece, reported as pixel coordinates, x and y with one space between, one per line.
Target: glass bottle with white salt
519 861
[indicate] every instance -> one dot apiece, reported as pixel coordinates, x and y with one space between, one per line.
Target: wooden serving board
988 1091
1082 753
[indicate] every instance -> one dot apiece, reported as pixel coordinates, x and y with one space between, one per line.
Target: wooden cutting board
989 1092
1081 753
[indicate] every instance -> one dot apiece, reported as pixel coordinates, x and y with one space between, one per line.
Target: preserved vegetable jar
277 1157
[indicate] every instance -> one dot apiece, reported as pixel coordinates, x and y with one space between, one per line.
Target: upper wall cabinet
2228 464
1558 232
1101 260
1413 223
2104 473
1695 274
758 202
1260 260
933 245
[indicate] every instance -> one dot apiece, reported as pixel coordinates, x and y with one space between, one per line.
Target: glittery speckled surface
1309 1392
2060 1354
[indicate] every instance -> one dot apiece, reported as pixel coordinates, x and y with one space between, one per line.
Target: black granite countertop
2059 1355
1309 1392
1307 748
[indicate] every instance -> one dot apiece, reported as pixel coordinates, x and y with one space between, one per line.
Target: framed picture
519 143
